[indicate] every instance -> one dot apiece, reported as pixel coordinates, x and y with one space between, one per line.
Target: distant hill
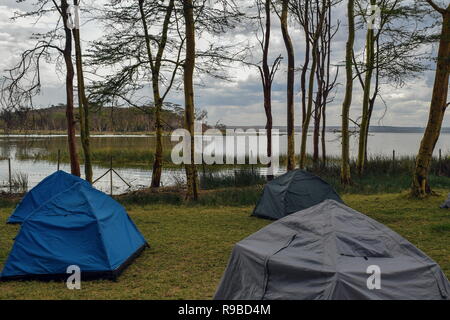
105 119
129 120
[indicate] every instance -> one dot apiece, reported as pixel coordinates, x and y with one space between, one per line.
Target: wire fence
18 182
111 172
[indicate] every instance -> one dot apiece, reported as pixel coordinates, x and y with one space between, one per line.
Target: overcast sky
238 102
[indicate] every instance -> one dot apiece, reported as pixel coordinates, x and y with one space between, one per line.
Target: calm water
14 147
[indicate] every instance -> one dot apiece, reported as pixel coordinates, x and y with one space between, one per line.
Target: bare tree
214 17
83 104
134 31
370 60
345 161
146 41
189 117
267 72
421 186
155 69
312 17
23 81
326 82
283 15
392 53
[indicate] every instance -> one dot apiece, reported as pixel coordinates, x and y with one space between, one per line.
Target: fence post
111 176
440 162
9 175
393 159
59 159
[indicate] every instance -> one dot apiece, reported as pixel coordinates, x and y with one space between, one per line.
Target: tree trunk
364 129
420 185
345 161
307 120
268 108
320 13
158 101
306 60
158 161
83 106
320 73
328 84
267 85
71 138
323 138
316 133
290 86
371 106
189 117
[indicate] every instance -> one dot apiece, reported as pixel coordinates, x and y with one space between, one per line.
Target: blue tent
79 226
46 189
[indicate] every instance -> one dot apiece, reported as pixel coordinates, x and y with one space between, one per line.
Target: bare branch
436 7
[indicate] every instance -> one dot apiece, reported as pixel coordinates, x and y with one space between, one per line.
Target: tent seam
49 200
99 232
266 263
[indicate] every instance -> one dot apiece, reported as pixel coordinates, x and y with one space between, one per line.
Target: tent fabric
446 204
80 226
46 189
324 253
291 192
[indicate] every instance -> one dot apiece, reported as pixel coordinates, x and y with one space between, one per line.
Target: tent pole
111 176
9 175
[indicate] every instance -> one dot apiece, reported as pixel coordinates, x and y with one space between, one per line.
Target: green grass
129 158
9 200
441 227
240 196
382 183
237 178
122 158
190 246
383 175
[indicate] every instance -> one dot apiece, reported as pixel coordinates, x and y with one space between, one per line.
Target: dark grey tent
291 192
446 204
329 251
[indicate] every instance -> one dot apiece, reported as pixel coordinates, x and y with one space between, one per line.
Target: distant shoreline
374 129
64 134
282 129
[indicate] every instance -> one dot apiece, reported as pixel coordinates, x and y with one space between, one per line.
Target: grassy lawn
190 246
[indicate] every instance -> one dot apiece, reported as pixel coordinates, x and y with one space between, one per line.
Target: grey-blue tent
79 226
330 252
291 192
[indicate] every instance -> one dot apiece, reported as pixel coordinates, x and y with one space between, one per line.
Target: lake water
14 147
